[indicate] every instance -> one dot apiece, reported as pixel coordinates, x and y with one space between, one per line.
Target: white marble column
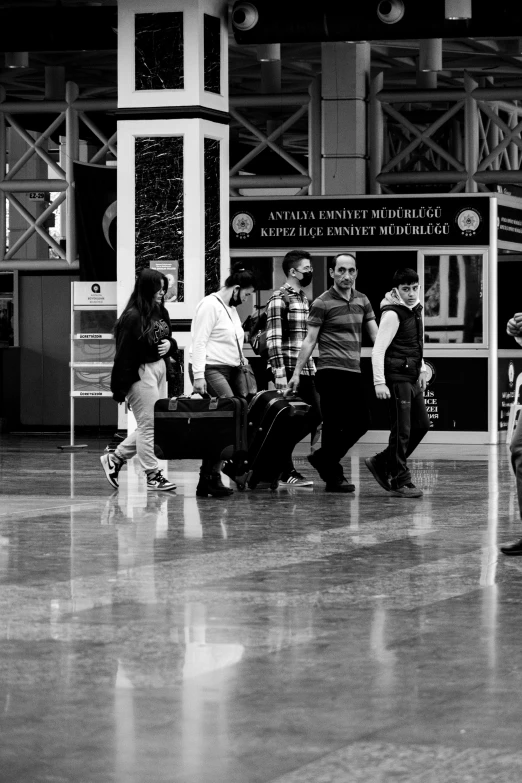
173 147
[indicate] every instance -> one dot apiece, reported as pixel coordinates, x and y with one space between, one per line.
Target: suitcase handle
173 402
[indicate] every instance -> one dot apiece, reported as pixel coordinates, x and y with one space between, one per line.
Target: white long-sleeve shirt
214 331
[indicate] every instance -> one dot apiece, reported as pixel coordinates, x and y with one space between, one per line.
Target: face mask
306 278
235 300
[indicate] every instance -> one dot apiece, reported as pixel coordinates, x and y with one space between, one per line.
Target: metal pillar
376 120
345 85
71 154
513 154
471 150
492 324
3 162
314 138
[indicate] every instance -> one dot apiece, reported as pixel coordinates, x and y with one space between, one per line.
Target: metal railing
73 110
306 178
485 136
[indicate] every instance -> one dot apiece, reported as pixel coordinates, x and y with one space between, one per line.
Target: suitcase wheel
274 484
241 486
252 484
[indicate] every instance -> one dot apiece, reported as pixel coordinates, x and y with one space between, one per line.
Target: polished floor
290 636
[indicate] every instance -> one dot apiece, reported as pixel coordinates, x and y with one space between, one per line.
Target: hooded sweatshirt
388 328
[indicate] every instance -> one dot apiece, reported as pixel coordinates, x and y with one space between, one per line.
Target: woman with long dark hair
139 375
217 355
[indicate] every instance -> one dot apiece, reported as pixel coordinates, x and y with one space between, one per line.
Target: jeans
409 424
345 417
516 460
224 380
141 397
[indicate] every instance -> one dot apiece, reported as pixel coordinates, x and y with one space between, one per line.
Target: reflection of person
335 323
514 328
217 337
399 376
139 375
287 314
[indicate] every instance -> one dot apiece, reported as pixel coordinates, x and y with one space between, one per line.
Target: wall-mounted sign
360 221
170 270
509 223
94 294
37 196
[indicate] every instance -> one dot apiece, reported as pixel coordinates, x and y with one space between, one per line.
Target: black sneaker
513 550
158 481
407 491
380 475
295 479
339 486
112 466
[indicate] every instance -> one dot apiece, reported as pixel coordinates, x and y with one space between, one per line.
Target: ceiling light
457 9
269 53
430 54
16 59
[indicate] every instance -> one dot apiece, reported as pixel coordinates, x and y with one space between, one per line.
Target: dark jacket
403 358
133 350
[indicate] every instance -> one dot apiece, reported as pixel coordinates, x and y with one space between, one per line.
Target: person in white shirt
399 375
217 355
514 329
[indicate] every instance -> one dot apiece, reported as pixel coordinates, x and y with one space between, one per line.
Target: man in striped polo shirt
335 323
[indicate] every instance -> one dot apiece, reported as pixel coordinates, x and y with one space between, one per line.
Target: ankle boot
216 485
211 484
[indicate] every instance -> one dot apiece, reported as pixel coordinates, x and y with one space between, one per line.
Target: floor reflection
170 638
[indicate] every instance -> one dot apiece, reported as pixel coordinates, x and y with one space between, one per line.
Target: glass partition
454 299
7 310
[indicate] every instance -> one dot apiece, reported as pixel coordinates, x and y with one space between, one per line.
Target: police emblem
468 220
242 224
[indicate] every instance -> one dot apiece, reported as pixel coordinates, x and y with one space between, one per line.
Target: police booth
467 250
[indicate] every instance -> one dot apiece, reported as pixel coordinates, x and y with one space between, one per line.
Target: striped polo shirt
340 333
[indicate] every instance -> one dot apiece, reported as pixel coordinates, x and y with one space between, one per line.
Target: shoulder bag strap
241 357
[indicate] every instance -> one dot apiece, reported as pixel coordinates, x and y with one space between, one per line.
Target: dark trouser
345 418
222 380
409 424
308 393
516 460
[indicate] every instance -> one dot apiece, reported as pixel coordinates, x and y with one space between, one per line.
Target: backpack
256 325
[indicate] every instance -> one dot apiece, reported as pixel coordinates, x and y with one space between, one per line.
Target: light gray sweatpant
141 397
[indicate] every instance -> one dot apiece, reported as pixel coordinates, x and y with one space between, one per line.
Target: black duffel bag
197 427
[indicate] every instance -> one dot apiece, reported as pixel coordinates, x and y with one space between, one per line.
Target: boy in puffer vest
399 376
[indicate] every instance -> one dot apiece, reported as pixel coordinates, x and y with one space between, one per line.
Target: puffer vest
403 358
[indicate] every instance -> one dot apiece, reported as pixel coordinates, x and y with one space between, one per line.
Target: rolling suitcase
274 428
197 427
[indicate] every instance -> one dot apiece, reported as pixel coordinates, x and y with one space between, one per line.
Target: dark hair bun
240 276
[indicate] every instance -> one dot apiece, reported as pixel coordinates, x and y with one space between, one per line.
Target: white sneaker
158 481
295 479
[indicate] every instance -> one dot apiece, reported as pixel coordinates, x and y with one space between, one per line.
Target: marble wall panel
159 51
212 215
212 53
159 206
